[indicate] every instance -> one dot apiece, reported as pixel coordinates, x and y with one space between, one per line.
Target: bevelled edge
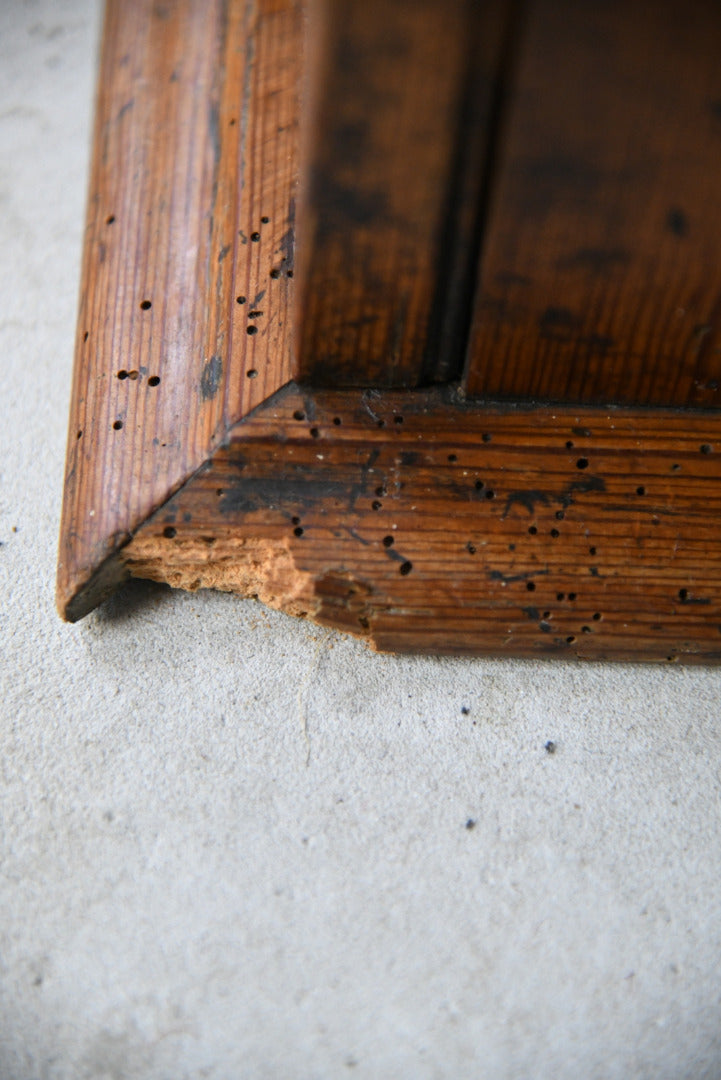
178 230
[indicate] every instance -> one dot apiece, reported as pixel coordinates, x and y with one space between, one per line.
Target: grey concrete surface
237 846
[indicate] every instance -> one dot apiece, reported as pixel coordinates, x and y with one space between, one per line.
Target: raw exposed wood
184 322
257 567
423 520
601 277
429 524
398 129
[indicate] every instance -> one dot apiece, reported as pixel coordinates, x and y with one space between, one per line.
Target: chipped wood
184 321
427 524
423 520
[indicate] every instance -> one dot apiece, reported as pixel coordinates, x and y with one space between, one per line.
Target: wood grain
600 275
423 520
190 207
398 122
428 524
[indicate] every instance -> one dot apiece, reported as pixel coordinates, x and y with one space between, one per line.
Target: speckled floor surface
236 846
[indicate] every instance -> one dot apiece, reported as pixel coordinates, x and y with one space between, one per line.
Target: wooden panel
399 112
426 524
184 308
601 277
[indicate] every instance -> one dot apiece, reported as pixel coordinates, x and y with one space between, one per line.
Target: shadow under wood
132 599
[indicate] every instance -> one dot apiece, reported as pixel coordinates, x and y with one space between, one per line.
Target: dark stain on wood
531 498
172 237
302 490
594 260
557 323
548 130
611 581
606 201
399 131
677 222
211 377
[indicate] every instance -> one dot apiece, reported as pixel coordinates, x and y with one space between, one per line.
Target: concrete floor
236 846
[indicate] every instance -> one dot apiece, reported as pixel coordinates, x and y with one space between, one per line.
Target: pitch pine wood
428 524
191 206
398 127
423 520
600 271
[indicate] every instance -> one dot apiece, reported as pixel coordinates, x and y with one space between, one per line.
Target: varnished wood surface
427 524
601 277
427 520
398 124
184 310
